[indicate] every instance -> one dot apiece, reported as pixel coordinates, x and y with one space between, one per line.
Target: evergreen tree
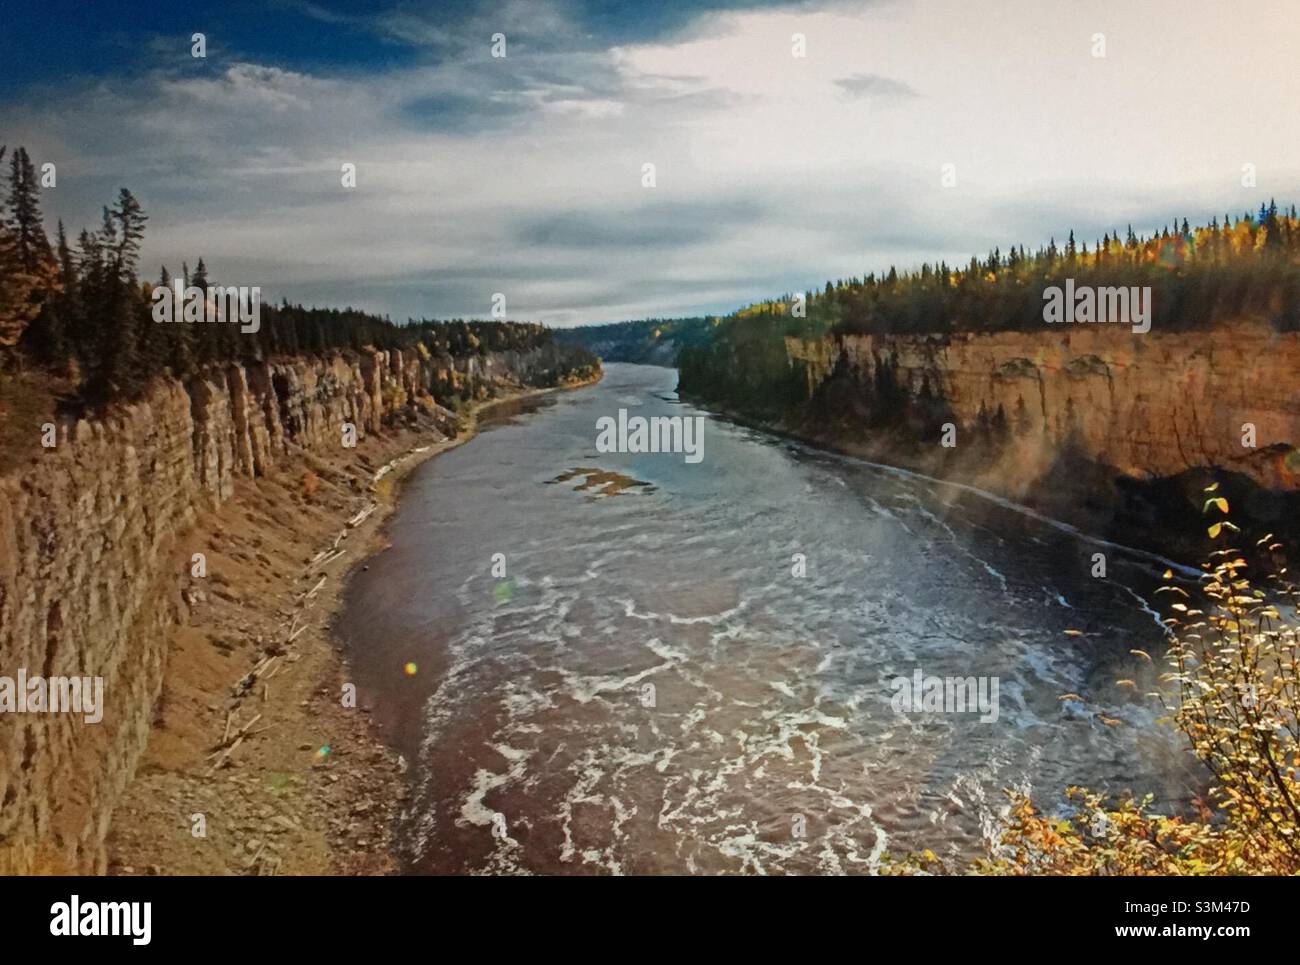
128 220
28 274
70 306
51 332
1273 230
33 248
204 335
114 370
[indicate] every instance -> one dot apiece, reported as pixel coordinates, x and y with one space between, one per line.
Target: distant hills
649 341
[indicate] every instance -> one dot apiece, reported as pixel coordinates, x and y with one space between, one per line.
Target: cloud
250 87
874 85
462 113
316 11
655 226
534 24
522 175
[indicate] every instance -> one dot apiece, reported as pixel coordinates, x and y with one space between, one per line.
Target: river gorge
618 662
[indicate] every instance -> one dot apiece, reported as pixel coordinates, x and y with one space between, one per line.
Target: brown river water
651 688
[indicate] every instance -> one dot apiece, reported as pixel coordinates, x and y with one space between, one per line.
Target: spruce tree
71 307
51 333
114 369
28 274
207 346
128 219
33 248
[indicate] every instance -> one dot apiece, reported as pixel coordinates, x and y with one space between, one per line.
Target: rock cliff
1148 405
90 579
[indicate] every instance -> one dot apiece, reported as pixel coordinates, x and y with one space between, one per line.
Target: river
659 685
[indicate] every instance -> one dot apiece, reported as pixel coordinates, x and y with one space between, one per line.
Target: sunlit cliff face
1147 405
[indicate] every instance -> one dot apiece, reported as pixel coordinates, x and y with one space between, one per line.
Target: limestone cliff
1147 405
1115 432
89 579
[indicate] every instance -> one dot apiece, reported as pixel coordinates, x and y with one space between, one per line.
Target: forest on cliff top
1248 266
81 312
1234 269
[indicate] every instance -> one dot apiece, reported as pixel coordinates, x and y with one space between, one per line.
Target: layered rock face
1149 405
90 574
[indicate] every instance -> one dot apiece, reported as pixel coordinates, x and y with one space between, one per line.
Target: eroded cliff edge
94 575
1112 430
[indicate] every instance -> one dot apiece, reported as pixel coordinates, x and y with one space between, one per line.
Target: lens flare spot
1291 463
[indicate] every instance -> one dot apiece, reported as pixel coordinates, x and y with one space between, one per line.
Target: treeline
654 341
1234 269
82 312
1245 267
744 367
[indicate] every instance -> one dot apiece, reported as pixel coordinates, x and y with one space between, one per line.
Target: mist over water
526 727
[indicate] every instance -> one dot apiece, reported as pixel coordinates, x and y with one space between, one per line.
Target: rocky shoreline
255 765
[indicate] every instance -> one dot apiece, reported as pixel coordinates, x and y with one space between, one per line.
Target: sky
524 175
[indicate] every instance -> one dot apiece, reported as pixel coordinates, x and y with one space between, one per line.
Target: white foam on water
776 705
630 610
585 688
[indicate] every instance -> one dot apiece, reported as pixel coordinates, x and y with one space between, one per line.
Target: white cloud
776 177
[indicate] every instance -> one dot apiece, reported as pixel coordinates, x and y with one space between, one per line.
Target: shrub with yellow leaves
1234 691
1234 667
